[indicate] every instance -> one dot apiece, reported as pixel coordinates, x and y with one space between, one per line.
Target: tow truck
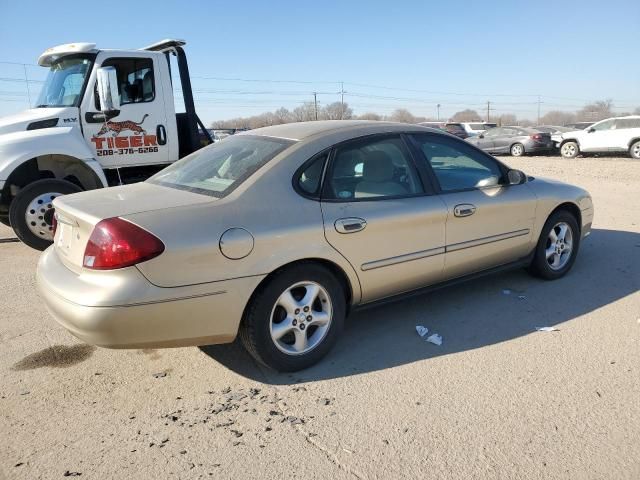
103 118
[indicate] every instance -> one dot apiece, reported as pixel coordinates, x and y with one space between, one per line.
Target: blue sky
456 53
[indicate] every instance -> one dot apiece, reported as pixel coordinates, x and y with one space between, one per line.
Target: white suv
621 134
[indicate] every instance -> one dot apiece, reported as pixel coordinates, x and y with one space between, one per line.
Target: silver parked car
517 141
278 233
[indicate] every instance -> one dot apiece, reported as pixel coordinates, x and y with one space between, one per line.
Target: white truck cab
103 117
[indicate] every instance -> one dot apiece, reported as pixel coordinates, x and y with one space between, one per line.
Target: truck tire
31 212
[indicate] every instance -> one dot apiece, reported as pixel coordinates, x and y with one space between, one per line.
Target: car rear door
489 222
378 214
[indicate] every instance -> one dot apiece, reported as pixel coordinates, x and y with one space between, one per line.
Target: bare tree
596 111
304 113
402 115
557 117
370 116
335 111
467 115
282 115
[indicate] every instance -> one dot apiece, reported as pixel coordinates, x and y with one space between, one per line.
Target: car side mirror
481 135
516 177
591 130
108 91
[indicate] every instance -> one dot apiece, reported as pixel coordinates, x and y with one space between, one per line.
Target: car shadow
475 314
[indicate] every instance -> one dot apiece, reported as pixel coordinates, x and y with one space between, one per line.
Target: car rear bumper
94 307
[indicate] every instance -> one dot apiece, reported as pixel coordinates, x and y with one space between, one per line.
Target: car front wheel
557 246
31 211
569 150
295 319
634 150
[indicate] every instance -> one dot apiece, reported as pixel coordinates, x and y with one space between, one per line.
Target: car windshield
64 83
219 168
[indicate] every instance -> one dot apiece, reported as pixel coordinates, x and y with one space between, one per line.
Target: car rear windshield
477 126
219 168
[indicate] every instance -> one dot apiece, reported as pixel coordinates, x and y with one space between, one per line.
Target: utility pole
488 109
341 100
438 114
538 110
315 102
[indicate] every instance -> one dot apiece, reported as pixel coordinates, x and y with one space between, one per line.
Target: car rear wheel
569 150
557 247
31 211
517 150
295 319
634 150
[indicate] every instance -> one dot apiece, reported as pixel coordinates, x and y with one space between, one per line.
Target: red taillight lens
54 224
536 136
116 243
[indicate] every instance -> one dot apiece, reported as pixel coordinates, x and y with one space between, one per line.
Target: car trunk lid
78 214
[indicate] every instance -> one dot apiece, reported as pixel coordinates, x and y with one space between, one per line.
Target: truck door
137 135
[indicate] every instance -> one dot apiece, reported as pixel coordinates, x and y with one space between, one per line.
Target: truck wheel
569 150
634 150
31 212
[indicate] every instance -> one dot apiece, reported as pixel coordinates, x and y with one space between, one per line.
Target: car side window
606 125
493 132
372 168
457 166
135 79
310 178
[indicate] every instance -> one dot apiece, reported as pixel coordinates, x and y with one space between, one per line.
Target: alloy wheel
559 246
300 318
39 215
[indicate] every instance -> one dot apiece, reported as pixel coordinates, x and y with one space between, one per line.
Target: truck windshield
219 168
64 83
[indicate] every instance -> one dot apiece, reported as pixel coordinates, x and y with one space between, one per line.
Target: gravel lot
496 400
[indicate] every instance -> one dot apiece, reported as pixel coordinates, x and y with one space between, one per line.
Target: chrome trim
481 241
385 262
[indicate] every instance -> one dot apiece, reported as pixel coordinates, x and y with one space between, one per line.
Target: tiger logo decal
119 127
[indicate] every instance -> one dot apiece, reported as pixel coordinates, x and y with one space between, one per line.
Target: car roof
319 128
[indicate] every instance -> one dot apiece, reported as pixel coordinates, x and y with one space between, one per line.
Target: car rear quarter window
221 167
456 165
309 180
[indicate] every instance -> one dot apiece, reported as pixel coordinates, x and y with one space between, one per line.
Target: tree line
341 111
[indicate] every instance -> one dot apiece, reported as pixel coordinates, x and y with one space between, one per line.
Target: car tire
31 213
634 150
517 150
282 329
569 149
551 260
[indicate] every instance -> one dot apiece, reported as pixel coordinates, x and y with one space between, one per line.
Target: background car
453 128
476 128
619 134
579 125
555 132
276 234
517 141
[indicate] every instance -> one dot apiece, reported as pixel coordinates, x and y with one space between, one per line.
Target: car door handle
350 225
464 210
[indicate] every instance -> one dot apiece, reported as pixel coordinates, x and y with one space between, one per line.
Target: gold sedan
277 233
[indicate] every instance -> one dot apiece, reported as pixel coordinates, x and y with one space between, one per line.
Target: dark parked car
514 140
453 128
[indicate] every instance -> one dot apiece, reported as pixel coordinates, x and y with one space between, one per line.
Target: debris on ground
160 375
547 329
422 330
435 339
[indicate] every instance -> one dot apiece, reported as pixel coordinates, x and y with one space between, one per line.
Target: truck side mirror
108 90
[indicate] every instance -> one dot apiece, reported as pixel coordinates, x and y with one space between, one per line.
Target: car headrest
378 167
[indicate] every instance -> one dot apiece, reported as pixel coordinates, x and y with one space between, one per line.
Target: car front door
489 222
598 138
137 134
487 140
381 218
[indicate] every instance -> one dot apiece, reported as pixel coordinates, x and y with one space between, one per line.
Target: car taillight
536 136
116 243
54 224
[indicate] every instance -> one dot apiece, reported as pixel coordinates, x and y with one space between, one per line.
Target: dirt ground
496 400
